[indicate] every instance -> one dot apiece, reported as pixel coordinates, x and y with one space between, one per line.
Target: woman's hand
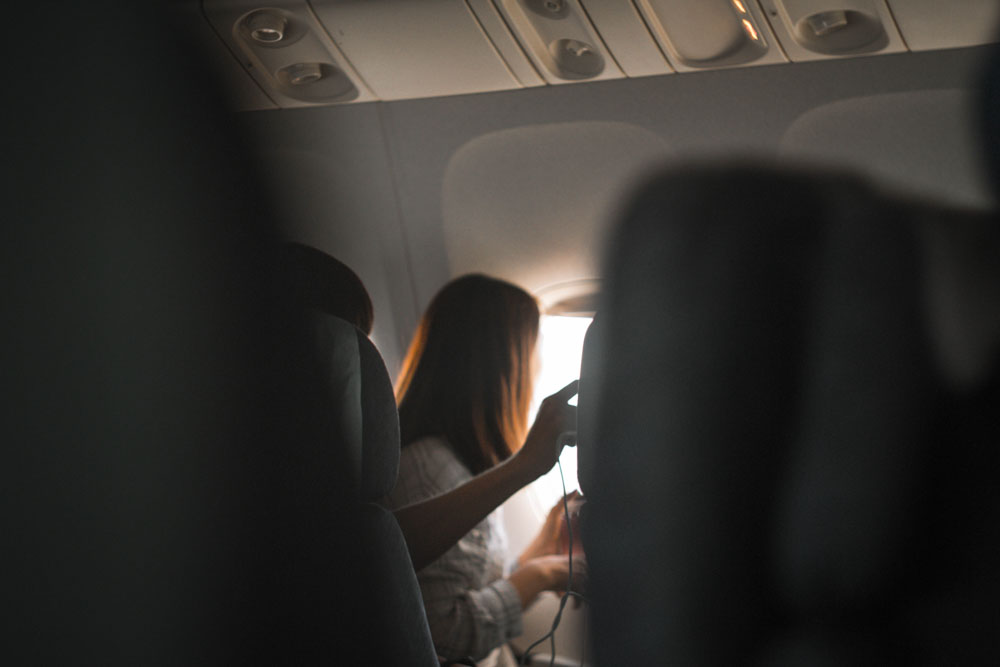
548 573
558 573
552 535
544 442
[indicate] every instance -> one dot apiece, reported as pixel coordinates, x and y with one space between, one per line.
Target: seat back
787 472
175 488
381 618
135 415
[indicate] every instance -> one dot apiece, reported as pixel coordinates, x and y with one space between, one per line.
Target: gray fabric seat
783 467
177 491
139 494
384 621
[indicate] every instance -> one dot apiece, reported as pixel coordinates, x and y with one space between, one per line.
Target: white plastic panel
328 171
820 29
922 143
531 204
936 24
627 37
405 49
559 39
299 66
708 34
505 43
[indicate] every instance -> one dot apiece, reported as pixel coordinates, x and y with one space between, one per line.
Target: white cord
551 634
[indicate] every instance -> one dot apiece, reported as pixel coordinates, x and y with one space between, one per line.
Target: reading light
826 22
576 58
266 28
752 31
740 7
577 49
301 74
550 9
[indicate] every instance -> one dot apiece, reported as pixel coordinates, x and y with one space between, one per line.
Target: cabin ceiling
435 161
292 53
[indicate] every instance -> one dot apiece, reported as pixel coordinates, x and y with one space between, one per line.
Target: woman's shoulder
427 467
434 448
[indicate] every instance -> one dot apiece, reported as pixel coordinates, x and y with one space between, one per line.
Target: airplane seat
341 367
309 278
172 492
381 614
790 473
161 510
402 633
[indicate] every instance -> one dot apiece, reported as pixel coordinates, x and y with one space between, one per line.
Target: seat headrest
310 278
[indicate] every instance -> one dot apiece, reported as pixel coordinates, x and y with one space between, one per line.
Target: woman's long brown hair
467 376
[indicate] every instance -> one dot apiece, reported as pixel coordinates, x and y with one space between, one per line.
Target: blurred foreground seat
791 446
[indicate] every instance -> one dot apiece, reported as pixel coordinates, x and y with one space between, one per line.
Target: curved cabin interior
418 140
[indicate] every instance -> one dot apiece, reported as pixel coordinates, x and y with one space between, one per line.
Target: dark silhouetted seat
386 621
794 454
177 489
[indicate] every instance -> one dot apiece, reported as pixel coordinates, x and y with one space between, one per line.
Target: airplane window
560 347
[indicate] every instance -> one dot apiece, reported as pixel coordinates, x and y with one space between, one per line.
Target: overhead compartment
492 23
934 24
627 37
821 29
289 53
708 34
405 49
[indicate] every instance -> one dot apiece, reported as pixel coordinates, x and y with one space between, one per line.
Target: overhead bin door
936 24
405 49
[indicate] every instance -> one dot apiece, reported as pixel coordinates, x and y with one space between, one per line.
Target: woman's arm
432 526
474 622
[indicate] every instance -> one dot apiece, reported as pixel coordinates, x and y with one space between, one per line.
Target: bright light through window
559 347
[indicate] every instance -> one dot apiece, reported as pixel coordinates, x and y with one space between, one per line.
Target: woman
310 278
463 401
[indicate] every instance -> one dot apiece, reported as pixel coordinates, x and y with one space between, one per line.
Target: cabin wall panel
721 114
922 143
329 168
384 166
